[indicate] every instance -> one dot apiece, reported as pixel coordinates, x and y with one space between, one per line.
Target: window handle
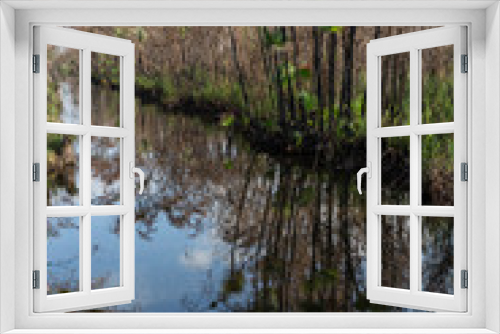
368 171
134 170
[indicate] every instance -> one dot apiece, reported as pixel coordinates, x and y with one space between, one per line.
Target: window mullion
109 210
392 210
433 129
66 211
67 129
86 244
414 170
85 254
421 211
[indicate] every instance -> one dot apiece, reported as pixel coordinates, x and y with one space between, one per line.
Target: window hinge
464 173
36 279
36 172
465 63
36 63
465 279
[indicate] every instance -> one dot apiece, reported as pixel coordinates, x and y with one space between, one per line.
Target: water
222 228
203 242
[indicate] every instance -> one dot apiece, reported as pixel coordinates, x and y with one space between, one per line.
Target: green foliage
228 164
399 143
288 71
141 34
336 29
183 31
437 152
291 70
119 32
274 37
54 104
322 279
146 82
310 101
437 106
228 121
298 138
304 73
332 29
306 196
54 142
270 124
329 275
235 283
358 126
106 69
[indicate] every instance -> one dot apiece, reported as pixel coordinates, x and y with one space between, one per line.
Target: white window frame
85 297
412 44
483 21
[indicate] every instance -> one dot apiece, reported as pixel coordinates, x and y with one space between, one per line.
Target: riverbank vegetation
294 92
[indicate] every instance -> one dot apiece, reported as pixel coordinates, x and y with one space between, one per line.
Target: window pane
105 89
437 254
63 255
395 171
395 93
395 241
63 85
437 169
105 171
63 169
437 84
105 252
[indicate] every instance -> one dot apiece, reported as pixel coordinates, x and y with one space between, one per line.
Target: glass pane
63 255
437 169
395 241
437 254
105 171
105 252
105 89
395 171
63 169
437 84
395 94
63 85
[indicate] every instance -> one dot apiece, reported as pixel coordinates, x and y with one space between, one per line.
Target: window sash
85 298
413 43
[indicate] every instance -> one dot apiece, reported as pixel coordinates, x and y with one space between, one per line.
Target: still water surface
221 227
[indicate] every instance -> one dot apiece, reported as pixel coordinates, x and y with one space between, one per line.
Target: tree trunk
347 82
331 82
264 50
349 274
330 247
279 87
296 50
241 79
363 104
317 37
291 97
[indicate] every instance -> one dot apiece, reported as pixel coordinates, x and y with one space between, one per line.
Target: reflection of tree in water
63 273
437 254
295 236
